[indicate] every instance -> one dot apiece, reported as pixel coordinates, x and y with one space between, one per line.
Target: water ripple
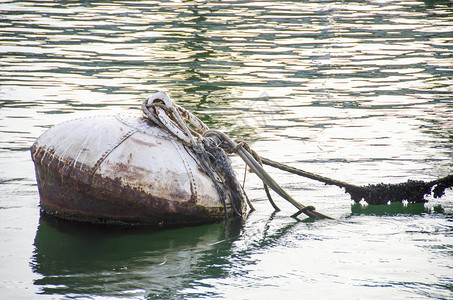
355 90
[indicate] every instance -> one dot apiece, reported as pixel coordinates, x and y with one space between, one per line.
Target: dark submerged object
412 191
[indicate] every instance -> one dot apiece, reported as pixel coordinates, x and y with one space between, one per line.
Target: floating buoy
123 169
165 167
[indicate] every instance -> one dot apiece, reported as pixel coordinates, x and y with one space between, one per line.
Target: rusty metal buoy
122 169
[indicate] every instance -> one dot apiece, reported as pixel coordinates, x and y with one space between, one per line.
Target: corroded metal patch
69 192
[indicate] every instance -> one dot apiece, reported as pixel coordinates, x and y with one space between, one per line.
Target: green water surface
359 91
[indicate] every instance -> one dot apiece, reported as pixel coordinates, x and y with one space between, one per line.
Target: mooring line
264 176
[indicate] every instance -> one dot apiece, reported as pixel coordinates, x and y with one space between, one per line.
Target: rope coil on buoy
208 144
160 109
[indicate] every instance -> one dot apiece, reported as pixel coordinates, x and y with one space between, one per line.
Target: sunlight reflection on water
355 90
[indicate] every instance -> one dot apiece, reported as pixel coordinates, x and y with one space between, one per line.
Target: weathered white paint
125 147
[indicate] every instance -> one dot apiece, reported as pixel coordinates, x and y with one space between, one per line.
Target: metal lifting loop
161 117
162 103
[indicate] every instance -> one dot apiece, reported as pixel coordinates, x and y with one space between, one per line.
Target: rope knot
240 144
